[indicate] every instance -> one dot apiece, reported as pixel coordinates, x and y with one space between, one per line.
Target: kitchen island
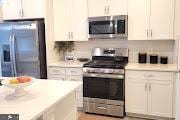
44 100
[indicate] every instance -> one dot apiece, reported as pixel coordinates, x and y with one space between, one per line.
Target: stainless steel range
103 82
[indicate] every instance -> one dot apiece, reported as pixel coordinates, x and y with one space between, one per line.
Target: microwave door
101 29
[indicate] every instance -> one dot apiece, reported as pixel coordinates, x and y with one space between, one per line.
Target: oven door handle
103 75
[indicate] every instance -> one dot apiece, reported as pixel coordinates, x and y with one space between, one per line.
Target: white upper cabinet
79 20
162 19
97 8
33 9
70 20
107 7
138 19
61 20
150 19
118 7
22 9
12 9
177 21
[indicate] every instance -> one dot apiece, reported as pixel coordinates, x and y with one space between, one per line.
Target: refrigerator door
26 49
5 50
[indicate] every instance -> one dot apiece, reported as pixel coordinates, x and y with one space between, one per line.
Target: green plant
67 46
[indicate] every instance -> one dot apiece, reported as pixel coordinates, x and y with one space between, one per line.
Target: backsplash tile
160 47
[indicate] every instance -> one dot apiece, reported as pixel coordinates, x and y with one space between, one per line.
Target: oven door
94 87
103 86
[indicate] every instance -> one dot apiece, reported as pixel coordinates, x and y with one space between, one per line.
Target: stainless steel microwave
108 27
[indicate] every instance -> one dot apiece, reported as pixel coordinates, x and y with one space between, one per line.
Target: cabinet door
79 20
97 8
12 9
61 10
160 98
138 19
177 20
118 7
33 8
162 19
136 96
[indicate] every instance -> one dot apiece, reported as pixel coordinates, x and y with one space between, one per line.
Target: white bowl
19 88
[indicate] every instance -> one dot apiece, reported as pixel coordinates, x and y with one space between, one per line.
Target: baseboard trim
148 116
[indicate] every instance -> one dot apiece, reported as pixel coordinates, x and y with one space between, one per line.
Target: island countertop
41 95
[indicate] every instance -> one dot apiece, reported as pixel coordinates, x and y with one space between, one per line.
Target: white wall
163 48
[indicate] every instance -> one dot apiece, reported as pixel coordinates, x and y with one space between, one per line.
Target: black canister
164 60
153 59
142 58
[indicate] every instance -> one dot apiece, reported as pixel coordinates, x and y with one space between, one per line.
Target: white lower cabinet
160 98
148 93
136 96
69 74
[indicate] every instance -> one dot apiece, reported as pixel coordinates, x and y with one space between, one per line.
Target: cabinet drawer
74 78
73 71
56 77
149 75
56 70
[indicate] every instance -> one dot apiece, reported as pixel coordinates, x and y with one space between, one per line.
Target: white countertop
67 64
152 67
41 95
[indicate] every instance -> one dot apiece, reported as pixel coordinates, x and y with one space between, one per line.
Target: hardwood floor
84 116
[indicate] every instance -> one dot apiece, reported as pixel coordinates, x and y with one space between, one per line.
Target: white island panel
53 100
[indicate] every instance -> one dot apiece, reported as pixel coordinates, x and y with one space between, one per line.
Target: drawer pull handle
149 87
146 87
103 108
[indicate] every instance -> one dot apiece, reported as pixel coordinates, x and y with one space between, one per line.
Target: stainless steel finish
104 75
145 86
14 55
27 57
100 107
109 18
118 52
103 101
103 108
103 70
149 86
107 9
24 39
11 57
151 33
71 35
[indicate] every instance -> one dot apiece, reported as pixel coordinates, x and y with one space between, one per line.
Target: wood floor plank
84 116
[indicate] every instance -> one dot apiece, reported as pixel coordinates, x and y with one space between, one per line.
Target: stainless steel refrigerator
22 49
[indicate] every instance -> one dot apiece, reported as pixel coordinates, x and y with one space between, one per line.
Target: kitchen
151 30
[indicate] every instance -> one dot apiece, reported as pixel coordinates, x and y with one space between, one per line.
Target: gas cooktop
105 64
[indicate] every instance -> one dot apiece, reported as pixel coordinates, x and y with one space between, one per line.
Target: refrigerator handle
11 55
14 54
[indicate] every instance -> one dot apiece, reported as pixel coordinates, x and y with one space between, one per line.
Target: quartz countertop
67 64
152 67
41 95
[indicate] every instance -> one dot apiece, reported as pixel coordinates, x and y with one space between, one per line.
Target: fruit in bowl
18 84
21 79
